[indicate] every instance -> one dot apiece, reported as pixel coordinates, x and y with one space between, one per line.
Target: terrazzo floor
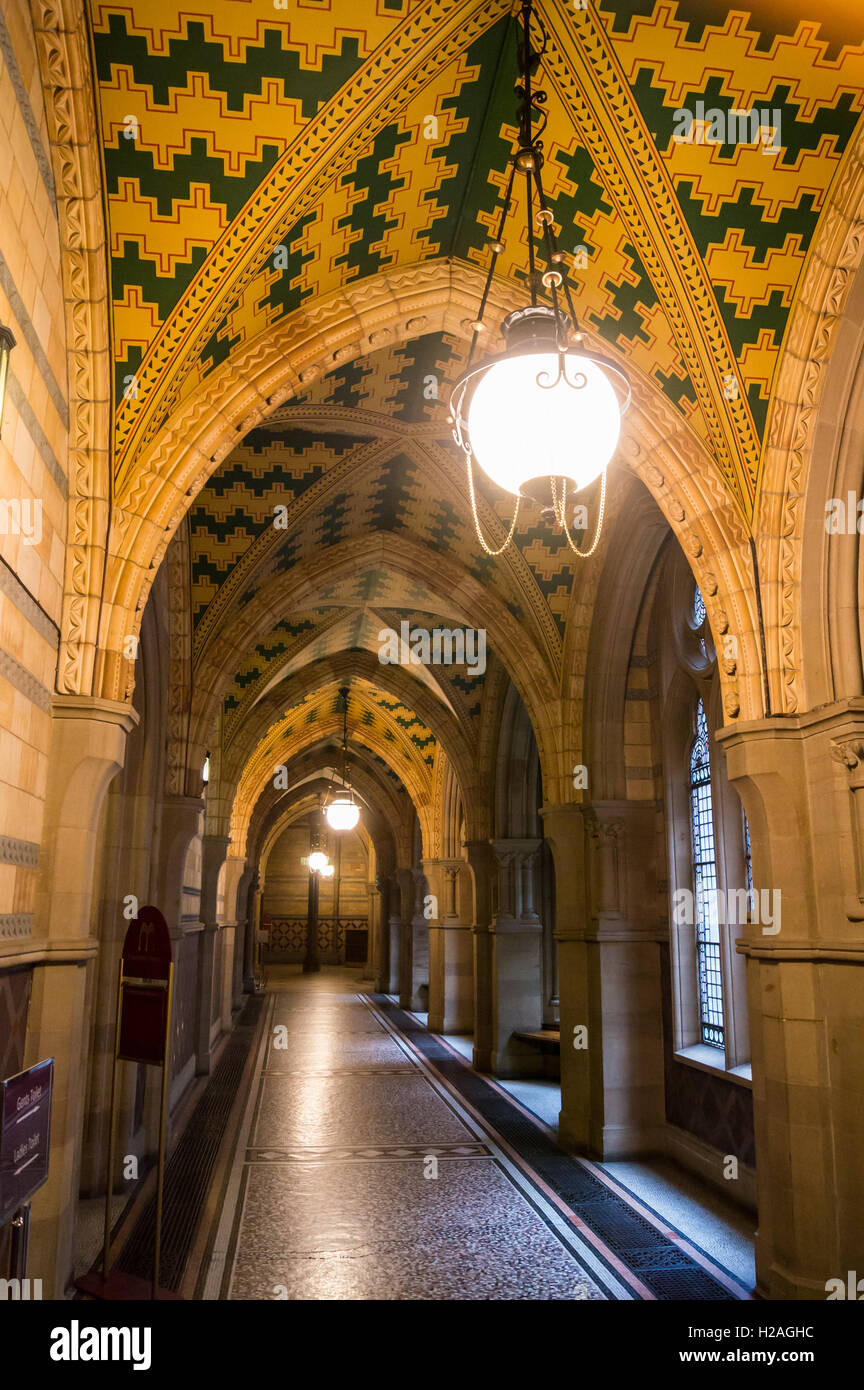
723 1228
361 1173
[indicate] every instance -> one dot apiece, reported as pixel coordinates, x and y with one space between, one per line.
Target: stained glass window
705 887
748 861
699 610
699 617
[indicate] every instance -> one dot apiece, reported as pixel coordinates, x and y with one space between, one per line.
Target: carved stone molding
14 925
835 257
849 751
179 663
23 853
62 45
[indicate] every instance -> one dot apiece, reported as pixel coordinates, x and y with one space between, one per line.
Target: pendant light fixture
545 411
343 812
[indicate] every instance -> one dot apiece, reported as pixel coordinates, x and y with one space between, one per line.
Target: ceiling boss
545 411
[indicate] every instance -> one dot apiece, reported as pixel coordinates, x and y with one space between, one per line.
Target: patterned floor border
629 1249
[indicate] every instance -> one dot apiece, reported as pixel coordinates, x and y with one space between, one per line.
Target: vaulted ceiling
258 158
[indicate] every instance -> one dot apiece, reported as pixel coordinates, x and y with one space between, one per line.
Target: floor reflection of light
340 1249
304 1096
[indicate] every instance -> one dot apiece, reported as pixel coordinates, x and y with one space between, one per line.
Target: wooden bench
548 1039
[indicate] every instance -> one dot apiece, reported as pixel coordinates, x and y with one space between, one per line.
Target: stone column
180 820
394 927
451 957
517 962
612 1097
564 829
414 969
235 866
243 931
381 962
801 779
483 869
88 746
250 956
209 971
373 948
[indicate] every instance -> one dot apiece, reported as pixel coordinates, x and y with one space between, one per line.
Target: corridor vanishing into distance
372 1162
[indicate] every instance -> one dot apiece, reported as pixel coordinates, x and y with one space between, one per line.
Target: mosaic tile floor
365 1170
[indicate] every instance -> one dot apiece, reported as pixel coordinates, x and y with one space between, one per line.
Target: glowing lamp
343 813
538 410
541 409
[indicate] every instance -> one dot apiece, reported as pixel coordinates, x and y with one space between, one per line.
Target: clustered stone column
612 1099
214 848
88 747
395 933
414 967
451 966
801 779
508 958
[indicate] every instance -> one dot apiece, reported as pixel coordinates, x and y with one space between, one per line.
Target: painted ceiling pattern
394 735
197 111
315 634
203 117
386 487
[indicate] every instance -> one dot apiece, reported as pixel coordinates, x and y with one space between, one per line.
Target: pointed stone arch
392 307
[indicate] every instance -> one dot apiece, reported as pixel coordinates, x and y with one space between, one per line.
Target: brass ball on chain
525 161
553 278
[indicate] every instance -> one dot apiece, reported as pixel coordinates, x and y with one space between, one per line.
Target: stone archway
391 307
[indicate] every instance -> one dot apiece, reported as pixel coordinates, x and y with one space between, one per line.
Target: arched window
708 965
748 858
699 618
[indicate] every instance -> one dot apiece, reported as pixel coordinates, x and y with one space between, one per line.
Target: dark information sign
25 1136
144 989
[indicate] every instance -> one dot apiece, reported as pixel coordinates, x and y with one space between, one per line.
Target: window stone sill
705 1058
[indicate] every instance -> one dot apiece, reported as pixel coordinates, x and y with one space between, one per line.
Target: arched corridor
498 851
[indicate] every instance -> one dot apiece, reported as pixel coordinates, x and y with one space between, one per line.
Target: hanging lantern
542 409
342 812
546 411
317 861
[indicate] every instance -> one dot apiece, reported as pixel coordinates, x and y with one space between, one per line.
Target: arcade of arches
240 254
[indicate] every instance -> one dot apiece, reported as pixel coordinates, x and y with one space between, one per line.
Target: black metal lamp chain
528 160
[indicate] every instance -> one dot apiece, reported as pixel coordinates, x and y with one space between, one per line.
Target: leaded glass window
699 610
705 887
699 617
